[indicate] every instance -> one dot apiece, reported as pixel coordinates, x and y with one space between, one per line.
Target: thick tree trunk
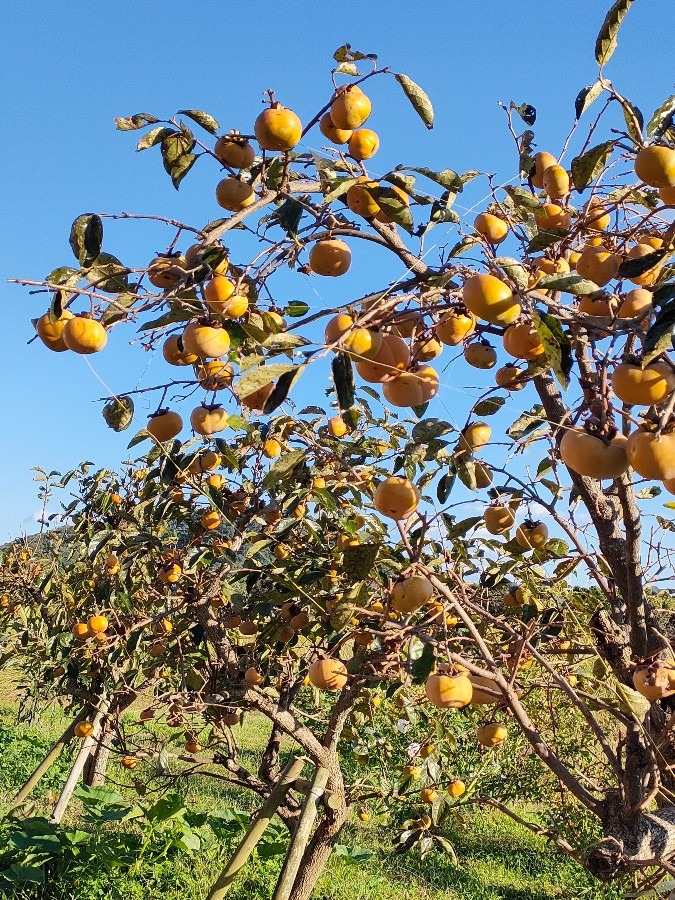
629 845
318 853
97 765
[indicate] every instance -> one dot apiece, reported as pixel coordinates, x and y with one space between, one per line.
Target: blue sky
69 69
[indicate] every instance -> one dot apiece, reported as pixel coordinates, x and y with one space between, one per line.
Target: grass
497 857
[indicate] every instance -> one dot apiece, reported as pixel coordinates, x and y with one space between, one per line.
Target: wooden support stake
289 773
78 766
45 764
329 798
299 843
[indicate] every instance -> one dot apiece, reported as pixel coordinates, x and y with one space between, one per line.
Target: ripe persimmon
350 108
490 299
328 674
593 457
278 128
233 194
205 340
396 497
235 151
448 691
330 257
208 420
51 332
164 425
82 334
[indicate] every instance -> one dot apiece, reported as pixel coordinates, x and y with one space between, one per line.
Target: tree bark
635 843
319 849
97 764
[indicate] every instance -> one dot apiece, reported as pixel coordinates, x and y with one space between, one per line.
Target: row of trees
320 548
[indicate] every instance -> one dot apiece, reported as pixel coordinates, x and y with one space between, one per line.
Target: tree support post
299 843
288 775
78 766
45 764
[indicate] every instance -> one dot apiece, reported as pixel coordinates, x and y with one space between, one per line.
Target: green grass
497 857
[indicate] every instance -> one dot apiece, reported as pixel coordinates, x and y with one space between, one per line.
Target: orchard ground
497 858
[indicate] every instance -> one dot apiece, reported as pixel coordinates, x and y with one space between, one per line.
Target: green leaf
138 438
346 68
173 315
525 155
526 112
586 96
156 136
405 182
118 413
447 178
463 246
441 212
419 99
358 561
662 119
114 313
181 167
108 274
282 389
631 268
355 854
445 485
605 44
424 664
527 422
65 275
207 122
339 187
632 701
557 344
634 120
547 238
429 430
177 157
589 165
489 406
515 270
447 847
459 529
166 808
466 471
19 873
647 198
346 54
282 466
56 306
392 205
570 284
658 338
133 123
284 340
662 294
288 216
260 377
648 493
343 377
522 198
296 309
86 238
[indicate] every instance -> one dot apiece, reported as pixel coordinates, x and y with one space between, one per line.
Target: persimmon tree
282 551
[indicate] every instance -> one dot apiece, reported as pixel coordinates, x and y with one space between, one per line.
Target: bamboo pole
261 820
78 766
45 764
297 849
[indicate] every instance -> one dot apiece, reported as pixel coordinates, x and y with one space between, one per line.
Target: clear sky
69 68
